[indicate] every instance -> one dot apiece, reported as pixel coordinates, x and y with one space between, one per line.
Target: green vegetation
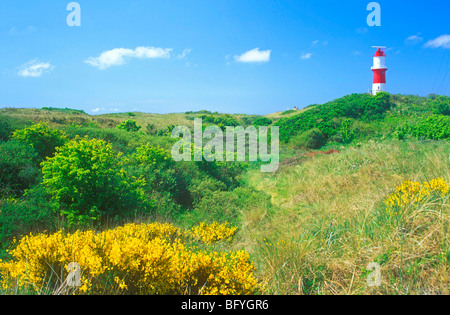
311 228
329 117
262 121
129 125
87 182
41 137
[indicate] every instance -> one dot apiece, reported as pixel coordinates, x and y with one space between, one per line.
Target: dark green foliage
222 121
18 168
151 130
262 121
170 128
129 125
33 213
328 117
157 168
5 130
440 105
312 139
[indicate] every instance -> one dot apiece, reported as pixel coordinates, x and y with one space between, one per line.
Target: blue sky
234 56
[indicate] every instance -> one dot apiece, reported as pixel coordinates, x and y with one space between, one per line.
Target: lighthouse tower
379 70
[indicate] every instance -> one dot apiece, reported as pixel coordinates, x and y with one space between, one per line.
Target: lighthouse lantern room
379 70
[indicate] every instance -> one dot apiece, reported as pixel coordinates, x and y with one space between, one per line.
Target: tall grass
331 222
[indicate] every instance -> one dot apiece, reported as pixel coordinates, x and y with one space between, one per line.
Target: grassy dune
330 222
313 227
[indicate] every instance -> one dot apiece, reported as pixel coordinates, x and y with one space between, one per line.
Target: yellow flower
153 258
409 193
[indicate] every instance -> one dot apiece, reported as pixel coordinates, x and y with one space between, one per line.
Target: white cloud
316 42
95 110
254 55
306 56
442 41
413 39
116 57
184 53
34 69
357 52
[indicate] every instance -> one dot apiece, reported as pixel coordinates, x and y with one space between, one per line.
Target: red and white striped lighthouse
379 70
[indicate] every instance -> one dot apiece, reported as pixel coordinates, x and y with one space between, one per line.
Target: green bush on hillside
129 125
436 127
312 139
31 213
42 138
19 168
87 180
5 131
440 105
262 121
328 117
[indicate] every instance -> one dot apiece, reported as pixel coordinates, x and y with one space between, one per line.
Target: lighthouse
379 70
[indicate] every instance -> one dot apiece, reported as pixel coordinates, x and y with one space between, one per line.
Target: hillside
362 180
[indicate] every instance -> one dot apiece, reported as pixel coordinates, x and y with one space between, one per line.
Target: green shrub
151 130
18 168
129 125
327 117
440 105
32 213
435 127
312 139
42 138
202 187
155 165
346 131
87 180
5 131
262 121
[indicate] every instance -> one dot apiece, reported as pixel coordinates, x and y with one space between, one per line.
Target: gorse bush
211 233
134 259
86 178
411 193
42 138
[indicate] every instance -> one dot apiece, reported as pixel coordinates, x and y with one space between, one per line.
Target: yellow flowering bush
410 193
211 233
133 259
